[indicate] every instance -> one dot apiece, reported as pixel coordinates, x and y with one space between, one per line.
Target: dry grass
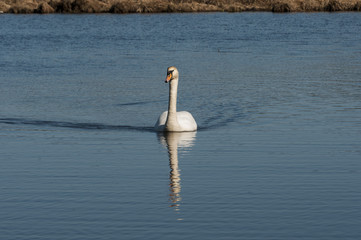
156 6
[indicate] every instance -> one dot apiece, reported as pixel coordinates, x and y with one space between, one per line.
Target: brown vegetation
156 6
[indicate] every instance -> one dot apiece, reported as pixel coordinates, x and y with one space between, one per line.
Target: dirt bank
157 6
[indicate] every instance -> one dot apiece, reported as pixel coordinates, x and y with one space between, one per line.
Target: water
277 98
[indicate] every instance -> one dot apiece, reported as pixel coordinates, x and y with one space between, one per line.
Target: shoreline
173 6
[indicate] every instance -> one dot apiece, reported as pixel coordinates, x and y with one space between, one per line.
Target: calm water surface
277 98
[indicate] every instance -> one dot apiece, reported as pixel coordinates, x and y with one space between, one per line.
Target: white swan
174 121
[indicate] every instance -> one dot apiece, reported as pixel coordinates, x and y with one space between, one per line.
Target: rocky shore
159 6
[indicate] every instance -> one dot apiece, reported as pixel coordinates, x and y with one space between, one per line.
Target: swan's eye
169 77
170 74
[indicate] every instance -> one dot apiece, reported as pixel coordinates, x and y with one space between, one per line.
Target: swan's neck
172 123
173 88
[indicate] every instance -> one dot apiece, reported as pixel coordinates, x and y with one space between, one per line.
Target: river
277 98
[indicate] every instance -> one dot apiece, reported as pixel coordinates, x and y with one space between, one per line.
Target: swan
171 120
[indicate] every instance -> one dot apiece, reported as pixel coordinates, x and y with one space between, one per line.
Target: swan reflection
172 141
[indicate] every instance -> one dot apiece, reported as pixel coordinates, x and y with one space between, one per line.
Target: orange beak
169 77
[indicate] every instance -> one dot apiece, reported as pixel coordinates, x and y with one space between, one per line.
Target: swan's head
172 73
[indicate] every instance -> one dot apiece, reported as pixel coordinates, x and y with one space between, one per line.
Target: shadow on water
62 124
212 123
172 141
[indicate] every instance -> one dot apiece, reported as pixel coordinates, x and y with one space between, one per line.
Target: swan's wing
160 124
186 121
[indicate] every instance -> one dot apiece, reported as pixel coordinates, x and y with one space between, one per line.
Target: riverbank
158 6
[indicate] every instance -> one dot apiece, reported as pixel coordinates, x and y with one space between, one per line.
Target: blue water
277 98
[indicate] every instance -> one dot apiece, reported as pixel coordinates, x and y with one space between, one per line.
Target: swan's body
171 120
184 123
